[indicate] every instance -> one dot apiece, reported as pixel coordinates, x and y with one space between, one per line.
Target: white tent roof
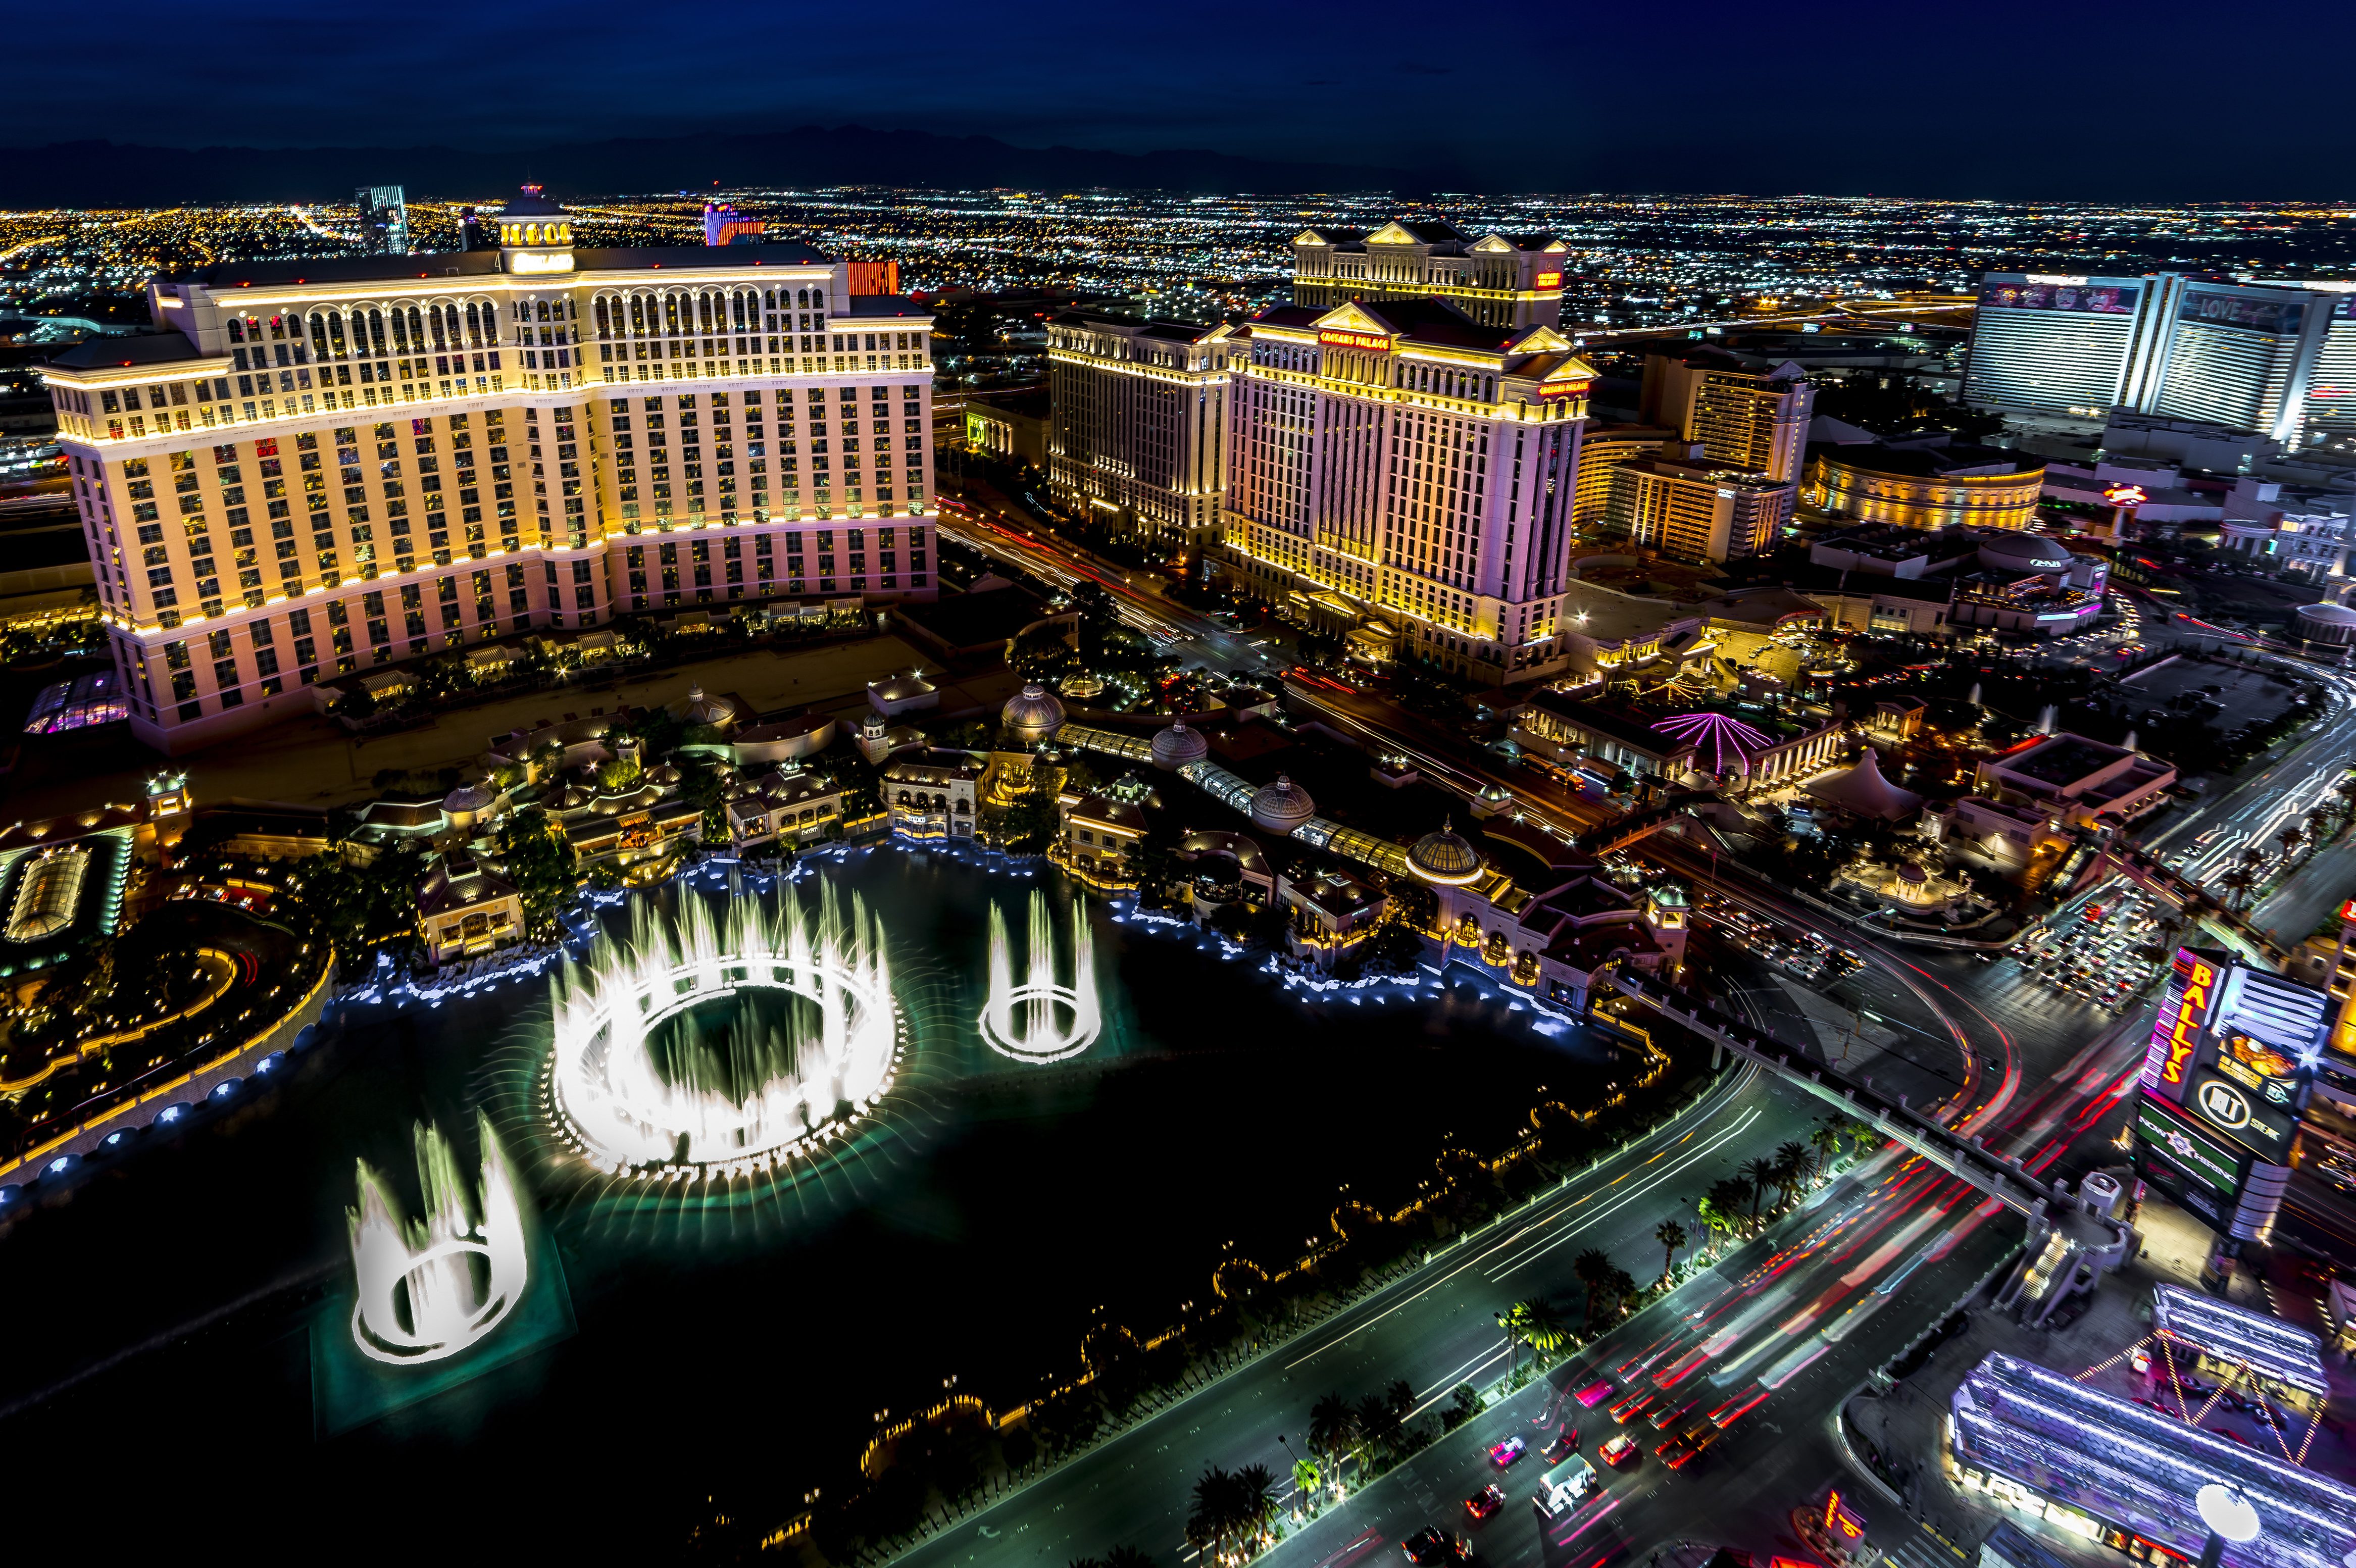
1863 789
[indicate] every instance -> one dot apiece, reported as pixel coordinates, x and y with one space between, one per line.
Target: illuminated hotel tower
1497 280
322 466
1138 424
1399 459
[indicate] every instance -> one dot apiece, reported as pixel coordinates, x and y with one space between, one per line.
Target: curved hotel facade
322 466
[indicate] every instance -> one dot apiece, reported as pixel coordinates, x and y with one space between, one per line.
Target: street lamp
2230 1519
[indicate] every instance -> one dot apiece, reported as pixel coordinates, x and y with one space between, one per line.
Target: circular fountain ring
408 1348
633 1122
1008 1042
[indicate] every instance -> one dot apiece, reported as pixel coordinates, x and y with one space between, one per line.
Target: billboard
2083 296
2240 1113
2213 308
2195 1168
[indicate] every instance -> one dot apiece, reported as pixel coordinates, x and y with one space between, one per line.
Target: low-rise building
791 806
466 908
2085 783
1334 914
1099 834
1928 484
1572 733
932 793
1013 426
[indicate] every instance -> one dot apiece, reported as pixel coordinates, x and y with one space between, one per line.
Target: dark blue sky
2147 101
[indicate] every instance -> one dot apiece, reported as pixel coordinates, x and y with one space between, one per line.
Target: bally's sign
2176 1035
1371 342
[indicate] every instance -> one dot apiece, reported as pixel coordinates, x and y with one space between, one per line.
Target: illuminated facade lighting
330 465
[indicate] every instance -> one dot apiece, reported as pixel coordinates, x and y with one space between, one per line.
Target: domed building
1282 806
1175 747
2334 624
465 804
1033 714
1445 859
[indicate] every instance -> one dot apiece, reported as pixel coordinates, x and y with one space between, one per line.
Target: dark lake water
743 1347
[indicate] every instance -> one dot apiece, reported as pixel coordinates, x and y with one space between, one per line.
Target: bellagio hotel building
322 466
1406 444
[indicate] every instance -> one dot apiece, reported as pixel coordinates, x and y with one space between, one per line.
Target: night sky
2153 100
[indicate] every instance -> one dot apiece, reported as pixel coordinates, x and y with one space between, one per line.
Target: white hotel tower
322 466
1396 459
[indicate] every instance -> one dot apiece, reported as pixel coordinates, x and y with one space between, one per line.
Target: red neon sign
1839 1517
2190 1011
1549 280
1372 342
2125 494
1554 389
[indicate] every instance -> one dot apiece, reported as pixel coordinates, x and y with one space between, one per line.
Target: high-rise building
2057 344
1604 447
2274 359
1753 421
384 220
322 466
1399 459
1698 510
2242 355
1138 429
1497 280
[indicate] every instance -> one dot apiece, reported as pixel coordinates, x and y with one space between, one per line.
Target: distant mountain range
109 173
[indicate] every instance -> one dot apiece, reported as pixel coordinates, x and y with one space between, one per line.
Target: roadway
1787 1326
1761 1346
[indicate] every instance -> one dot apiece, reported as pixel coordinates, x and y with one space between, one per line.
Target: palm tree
2290 837
1672 1236
1592 1269
1791 1165
1761 1175
1863 1135
1377 1425
1621 1286
1729 1197
1253 1500
1213 1515
2237 881
1718 1219
1541 1326
1332 1427
1306 1479
1825 1140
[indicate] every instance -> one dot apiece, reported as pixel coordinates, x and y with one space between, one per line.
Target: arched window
336 332
236 330
803 296
319 335
604 326
544 310
400 333
475 324
416 327
671 315
376 331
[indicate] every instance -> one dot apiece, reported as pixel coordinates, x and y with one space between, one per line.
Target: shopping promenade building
321 467
1404 463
